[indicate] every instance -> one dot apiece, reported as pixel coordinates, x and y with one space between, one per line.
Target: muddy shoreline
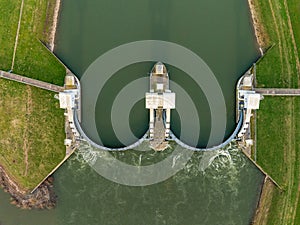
260 34
53 26
264 204
42 198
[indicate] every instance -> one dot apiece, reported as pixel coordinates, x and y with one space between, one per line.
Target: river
220 191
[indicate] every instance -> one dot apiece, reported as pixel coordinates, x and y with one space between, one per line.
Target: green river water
220 188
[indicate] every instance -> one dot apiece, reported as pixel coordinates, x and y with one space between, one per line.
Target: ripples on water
228 156
209 190
213 188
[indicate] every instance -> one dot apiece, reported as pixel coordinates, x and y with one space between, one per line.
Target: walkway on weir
30 81
278 91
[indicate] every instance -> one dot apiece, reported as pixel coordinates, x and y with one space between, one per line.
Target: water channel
220 191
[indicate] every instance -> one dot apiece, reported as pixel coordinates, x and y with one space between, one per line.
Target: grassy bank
32 59
32 125
9 11
278 119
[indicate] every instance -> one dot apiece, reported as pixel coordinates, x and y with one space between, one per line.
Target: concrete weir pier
160 100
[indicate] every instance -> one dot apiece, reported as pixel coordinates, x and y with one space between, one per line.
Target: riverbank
264 205
260 34
278 119
42 198
53 26
32 134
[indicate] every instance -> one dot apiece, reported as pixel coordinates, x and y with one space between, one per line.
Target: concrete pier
159 100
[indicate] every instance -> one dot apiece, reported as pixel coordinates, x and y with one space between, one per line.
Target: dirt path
297 199
286 34
17 36
288 51
277 32
293 40
286 70
288 204
26 143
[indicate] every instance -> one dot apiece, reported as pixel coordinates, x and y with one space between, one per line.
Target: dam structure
160 100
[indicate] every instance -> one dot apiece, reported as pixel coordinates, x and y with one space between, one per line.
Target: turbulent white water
227 157
212 184
88 153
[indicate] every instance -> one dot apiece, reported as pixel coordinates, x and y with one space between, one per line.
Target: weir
145 138
247 100
70 94
159 132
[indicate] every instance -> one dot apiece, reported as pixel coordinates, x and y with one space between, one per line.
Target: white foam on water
218 160
88 153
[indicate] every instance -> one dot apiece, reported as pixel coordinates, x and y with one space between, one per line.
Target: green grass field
32 125
32 59
278 119
9 11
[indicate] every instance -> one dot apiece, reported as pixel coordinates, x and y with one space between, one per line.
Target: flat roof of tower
164 100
